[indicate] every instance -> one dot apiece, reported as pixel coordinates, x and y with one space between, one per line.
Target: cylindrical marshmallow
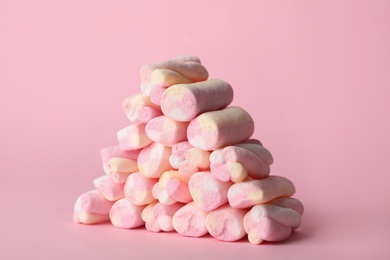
226 223
123 214
252 192
216 129
114 151
171 188
138 189
158 217
120 168
166 131
190 221
133 137
154 160
139 108
183 102
208 192
109 189
179 152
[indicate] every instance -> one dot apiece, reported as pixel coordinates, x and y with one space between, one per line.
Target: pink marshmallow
252 192
226 223
158 217
237 162
291 203
270 223
190 221
154 160
139 108
125 215
120 168
166 131
195 160
109 189
183 102
133 137
91 208
208 192
138 189
171 188
216 129
178 155
114 151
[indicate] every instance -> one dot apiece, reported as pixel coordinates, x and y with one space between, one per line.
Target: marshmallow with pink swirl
172 187
120 168
108 188
114 151
125 215
154 160
190 221
133 137
139 108
158 217
138 189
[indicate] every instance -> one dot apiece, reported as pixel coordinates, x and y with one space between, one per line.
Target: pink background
315 75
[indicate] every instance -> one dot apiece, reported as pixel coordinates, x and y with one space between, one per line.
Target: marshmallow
123 214
154 160
114 151
249 193
190 221
158 217
291 203
171 188
226 223
120 168
133 137
109 189
91 208
237 162
138 189
139 108
216 129
270 223
187 66
208 192
178 155
166 131
183 102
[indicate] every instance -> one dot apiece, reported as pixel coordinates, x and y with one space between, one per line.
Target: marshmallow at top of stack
187 163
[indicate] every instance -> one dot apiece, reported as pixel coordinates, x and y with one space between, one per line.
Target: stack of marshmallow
187 163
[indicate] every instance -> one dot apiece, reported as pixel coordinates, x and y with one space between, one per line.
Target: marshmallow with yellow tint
158 217
217 129
92 208
171 188
226 223
266 222
154 160
207 191
238 162
183 102
125 215
189 67
190 221
108 188
120 168
138 189
252 192
178 155
114 151
139 108
133 137
166 131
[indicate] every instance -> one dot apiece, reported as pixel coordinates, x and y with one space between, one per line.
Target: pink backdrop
315 75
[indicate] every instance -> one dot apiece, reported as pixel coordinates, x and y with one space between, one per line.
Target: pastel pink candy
138 189
208 192
190 221
291 203
171 188
195 160
133 137
120 168
158 217
139 108
154 160
226 223
123 214
179 152
270 223
252 192
183 102
109 189
114 151
237 162
187 66
166 131
216 129
91 208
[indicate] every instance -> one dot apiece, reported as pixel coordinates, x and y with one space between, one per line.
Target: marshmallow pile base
187 162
